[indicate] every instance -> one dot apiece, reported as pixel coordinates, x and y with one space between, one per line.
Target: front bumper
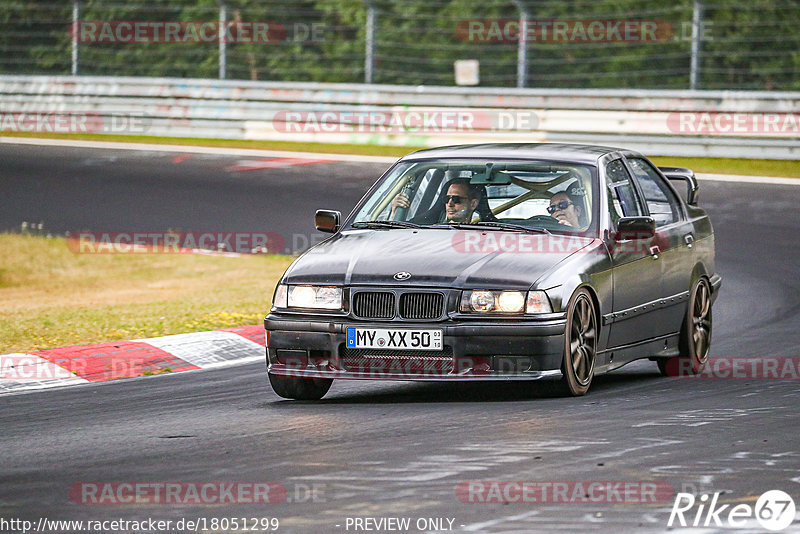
311 347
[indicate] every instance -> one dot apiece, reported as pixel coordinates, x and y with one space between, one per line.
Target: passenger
563 208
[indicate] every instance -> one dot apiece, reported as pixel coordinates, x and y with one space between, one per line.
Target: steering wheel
543 218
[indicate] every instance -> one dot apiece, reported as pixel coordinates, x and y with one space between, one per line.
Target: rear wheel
695 340
580 345
290 387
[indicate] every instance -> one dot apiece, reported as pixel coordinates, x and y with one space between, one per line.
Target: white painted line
273 163
209 349
772 180
188 149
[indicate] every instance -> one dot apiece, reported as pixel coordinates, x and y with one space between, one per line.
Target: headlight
481 301
510 301
319 297
505 302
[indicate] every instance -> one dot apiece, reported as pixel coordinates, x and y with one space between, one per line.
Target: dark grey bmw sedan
501 262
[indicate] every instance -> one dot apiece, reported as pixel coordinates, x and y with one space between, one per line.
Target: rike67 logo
774 510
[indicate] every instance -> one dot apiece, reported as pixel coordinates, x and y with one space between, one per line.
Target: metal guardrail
654 122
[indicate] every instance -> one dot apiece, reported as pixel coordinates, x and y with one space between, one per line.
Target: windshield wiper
510 226
384 224
500 225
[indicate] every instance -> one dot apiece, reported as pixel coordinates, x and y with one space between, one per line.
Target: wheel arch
700 270
595 301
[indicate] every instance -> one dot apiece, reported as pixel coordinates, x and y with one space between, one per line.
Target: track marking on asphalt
480 527
189 149
245 165
696 418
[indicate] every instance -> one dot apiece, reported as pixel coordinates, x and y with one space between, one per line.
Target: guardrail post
76 15
522 45
223 20
369 42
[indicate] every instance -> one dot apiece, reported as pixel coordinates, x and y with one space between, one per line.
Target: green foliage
746 45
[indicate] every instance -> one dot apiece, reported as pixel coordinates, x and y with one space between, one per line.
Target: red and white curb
84 364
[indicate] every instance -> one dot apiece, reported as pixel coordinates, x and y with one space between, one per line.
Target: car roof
588 154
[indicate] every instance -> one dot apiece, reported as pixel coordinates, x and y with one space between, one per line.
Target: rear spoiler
685 175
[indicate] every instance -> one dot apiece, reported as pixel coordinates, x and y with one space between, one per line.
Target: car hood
434 257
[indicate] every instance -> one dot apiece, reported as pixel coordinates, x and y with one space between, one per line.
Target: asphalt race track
372 451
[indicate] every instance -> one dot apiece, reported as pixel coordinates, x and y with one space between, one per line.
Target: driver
460 202
564 210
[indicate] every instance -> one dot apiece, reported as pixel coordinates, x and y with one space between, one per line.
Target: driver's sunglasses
564 204
457 199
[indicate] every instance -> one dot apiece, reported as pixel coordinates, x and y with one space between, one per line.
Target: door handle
689 239
654 250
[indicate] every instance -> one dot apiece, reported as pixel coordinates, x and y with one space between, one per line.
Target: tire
695 340
580 345
290 387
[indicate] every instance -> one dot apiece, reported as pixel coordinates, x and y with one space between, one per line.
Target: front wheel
580 345
695 340
290 387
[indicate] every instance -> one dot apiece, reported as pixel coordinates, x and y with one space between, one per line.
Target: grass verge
747 167
53 297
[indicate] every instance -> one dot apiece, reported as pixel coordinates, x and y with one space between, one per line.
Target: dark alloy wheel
695 339
580 346
290 387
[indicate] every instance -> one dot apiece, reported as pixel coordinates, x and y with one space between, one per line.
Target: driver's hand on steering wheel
562 219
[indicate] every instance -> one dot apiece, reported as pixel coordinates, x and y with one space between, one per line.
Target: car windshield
552 196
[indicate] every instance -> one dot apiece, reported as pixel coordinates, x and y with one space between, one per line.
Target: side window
661 202
622 199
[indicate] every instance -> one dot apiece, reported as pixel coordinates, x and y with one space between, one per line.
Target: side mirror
327 221
635 228
684 175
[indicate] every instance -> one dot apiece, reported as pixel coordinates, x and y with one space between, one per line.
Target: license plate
381 338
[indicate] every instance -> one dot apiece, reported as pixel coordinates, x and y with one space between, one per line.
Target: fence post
223 20
369 42
522 45
697 32
76 15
